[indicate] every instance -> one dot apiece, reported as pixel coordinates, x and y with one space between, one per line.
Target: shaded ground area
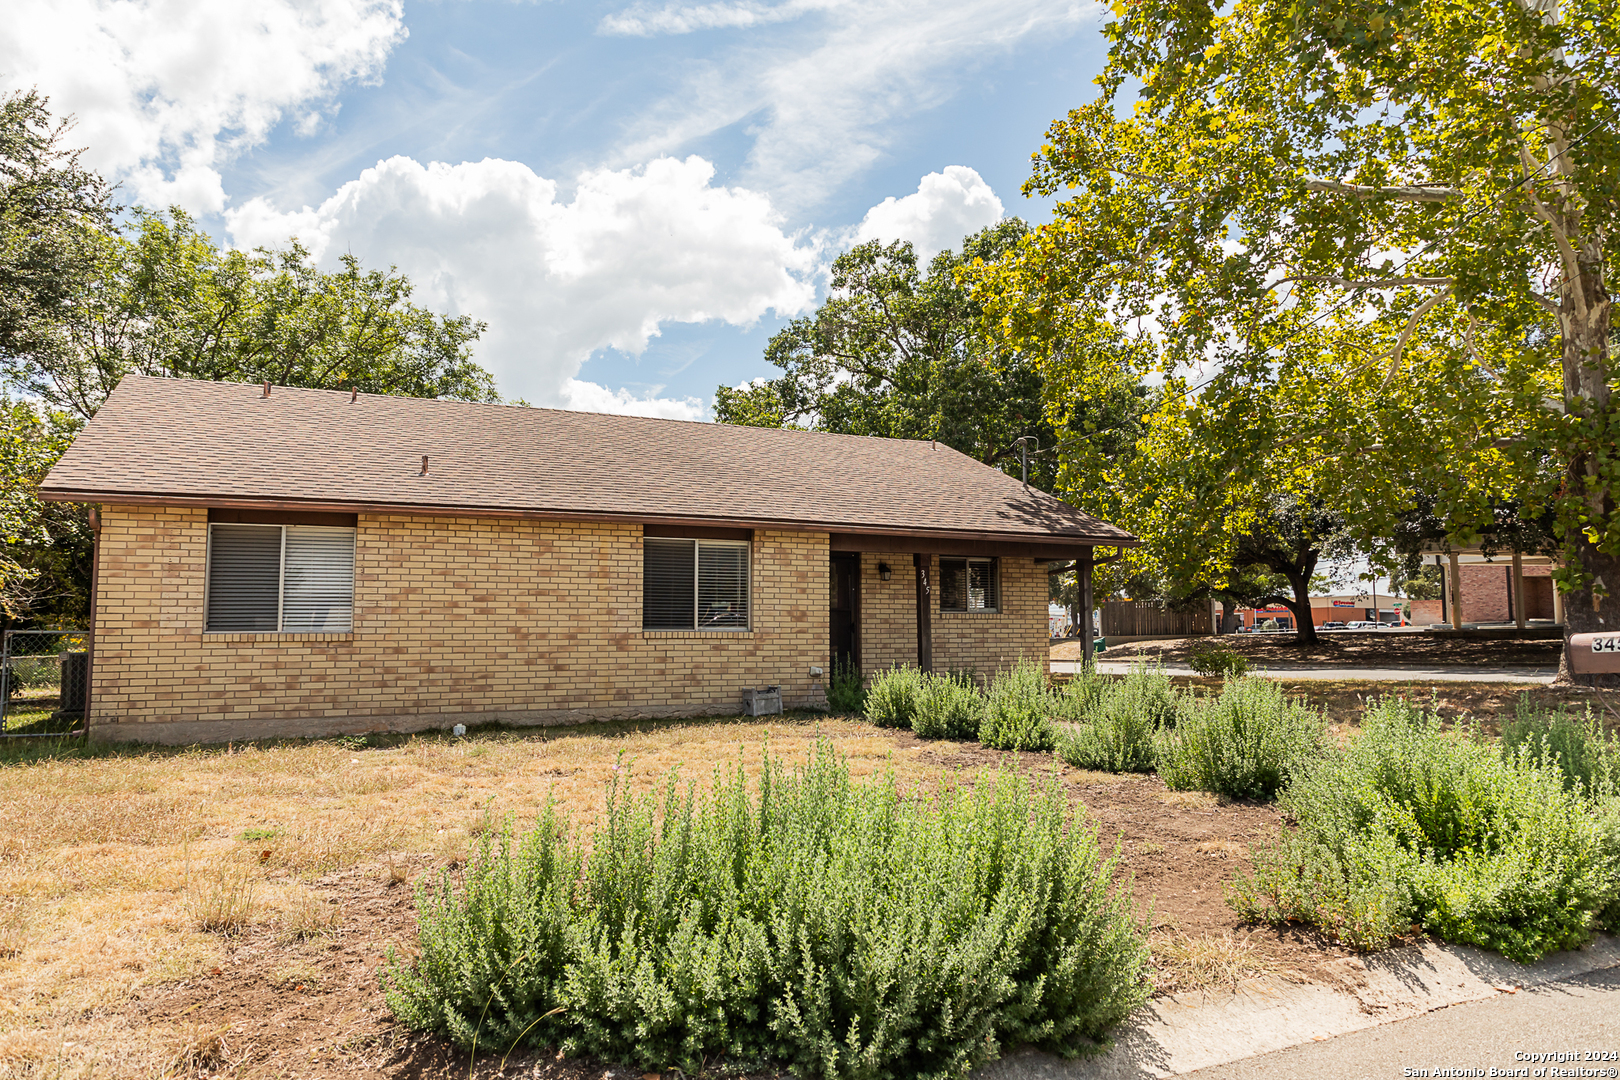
1351 649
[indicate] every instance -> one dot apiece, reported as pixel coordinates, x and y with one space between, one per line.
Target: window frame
281 575
967 562
698 543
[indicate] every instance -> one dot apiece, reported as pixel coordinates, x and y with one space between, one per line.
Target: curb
1176 1035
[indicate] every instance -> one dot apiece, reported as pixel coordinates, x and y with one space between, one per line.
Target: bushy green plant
846 689
1077 699
1607 816
1588 757
1245 743
948 707
1411 824
1212 658
836 928
1115 742
1017 710
1114 729
891 700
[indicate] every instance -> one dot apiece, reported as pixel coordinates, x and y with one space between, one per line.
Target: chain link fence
44 683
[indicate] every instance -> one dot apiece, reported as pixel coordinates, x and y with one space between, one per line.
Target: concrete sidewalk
1507 1033
1176 1035
1416 673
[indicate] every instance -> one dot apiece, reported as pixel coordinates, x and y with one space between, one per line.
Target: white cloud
166 91
645 20
828 103
556 281
594 397
945 207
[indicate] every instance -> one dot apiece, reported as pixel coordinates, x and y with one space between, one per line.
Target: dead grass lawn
126 871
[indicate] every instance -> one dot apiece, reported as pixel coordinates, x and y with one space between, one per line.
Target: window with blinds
694 584
968 585
294 579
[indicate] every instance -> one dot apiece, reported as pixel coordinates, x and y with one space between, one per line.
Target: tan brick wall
1424 612
455 619
976 641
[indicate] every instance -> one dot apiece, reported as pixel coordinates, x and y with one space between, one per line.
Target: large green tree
1272 183
902 353
166 300
44 563
53 212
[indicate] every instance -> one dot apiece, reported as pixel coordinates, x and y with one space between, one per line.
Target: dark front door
846 575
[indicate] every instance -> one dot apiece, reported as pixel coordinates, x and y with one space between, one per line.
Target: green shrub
1017 710
1587 757
1410 824
838 929
1211 658
948 707
1243 744
1115 742
1113 727
846 690
891 700
1607 814
1076 699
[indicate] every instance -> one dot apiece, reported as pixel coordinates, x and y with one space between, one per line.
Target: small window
968 585
694 584
294 579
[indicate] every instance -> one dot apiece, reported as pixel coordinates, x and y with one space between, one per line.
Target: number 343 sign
1594 652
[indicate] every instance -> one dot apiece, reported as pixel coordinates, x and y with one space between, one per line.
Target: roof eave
81 495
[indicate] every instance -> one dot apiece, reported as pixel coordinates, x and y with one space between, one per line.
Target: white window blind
317 595
694 584
286 578
722 588
968 585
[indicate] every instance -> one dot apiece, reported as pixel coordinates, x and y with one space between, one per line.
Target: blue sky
634 195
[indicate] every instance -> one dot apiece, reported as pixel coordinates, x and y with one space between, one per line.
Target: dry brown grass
1185 962
126 871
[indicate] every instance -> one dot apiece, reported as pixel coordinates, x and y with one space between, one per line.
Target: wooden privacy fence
1137 618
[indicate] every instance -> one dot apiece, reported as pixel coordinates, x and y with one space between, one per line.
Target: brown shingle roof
222 444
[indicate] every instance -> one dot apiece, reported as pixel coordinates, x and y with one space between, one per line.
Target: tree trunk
1301 607
1584 328
1580 617
1226 616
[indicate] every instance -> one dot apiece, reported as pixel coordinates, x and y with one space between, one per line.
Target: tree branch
1407 331
1434 193
1381 283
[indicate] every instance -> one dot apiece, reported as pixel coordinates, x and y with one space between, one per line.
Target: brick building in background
276 562
1487 590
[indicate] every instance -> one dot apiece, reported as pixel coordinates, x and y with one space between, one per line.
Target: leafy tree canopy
167 301
43 542
52 212
1383 192
901 353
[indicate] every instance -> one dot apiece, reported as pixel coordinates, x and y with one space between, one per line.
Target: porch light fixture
884 572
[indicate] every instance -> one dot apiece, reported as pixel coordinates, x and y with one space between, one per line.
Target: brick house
274 561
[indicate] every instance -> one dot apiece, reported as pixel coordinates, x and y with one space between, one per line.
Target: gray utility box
1594 654
762 702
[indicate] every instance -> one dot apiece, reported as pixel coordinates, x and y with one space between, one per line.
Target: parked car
1334 625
